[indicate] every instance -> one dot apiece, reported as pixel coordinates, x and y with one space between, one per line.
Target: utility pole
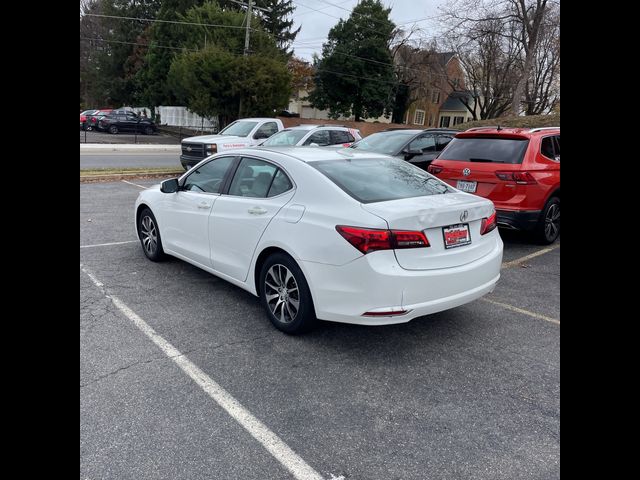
248 29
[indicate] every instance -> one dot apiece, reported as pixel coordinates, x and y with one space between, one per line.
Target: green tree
214 81
355 75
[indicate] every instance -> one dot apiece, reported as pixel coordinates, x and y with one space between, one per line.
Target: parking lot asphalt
469 393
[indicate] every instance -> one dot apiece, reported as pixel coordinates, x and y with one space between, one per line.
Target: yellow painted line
520 310
518 261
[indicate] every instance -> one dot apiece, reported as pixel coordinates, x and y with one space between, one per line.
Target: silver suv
315 136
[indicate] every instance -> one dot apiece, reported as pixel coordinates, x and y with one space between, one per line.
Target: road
124 160
469 393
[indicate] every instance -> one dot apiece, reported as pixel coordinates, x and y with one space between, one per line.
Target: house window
435 96
457 120
418 117
444 122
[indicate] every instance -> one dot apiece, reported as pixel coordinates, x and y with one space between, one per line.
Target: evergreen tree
355 75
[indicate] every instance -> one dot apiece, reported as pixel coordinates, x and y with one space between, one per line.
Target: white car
314 135
246 132
338 235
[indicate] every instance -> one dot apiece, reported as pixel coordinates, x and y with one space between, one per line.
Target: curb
126 147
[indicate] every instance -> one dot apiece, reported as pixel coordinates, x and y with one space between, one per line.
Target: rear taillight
488 224
521 178
371 239
434 169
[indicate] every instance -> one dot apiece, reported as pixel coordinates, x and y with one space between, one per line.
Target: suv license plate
467 186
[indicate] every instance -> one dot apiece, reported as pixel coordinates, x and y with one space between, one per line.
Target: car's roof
309 126
258 119
507 131
312 154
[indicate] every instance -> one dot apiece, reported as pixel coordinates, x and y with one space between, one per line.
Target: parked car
331 234
516 168
287 113
418 147
314 135
93 118
126 121
83 117
245 132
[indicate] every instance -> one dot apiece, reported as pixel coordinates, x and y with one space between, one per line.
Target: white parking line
517 261
134 184
520 310
269 440
108 244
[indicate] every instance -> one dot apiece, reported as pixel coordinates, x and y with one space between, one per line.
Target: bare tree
519 21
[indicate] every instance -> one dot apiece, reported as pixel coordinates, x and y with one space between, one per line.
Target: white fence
181 117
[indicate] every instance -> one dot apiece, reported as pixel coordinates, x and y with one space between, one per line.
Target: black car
419 147
126 121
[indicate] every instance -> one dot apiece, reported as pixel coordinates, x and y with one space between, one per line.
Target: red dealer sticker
456 235
233 145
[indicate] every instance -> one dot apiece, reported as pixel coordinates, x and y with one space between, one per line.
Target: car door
131 122
184 218
259 189
426 143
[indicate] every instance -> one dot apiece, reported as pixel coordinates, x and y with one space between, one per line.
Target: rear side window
485 149
443 141
379 180
546 147
340 136
320 138
557 145
280 184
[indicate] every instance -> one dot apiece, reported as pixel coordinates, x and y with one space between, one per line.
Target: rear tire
285 295
547 229
113 129
149 235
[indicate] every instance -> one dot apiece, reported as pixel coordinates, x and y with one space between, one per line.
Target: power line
163 21
140 44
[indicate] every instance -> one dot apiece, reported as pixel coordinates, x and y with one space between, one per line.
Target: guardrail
179 132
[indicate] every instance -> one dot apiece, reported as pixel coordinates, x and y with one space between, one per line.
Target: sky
317 17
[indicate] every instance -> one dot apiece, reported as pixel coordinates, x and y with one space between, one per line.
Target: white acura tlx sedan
338 235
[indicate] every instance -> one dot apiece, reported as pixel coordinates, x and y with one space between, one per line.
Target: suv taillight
434 169
371 239
521 178
488 224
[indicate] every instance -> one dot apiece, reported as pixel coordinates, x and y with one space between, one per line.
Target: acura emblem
464 215
466 172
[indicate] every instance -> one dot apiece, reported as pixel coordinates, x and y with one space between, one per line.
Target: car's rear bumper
518 219
375 282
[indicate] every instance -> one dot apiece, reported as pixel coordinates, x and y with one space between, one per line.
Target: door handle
257 211
204 205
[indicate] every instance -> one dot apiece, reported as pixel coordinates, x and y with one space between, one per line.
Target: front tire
149 235
113 129
285 295
548 227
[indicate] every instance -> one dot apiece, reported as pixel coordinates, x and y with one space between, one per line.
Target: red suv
516 168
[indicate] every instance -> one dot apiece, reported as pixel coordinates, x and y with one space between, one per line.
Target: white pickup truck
239 134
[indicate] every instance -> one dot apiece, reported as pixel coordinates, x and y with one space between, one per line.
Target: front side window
239 128
320 138
443 141
379 180
253 178
209 177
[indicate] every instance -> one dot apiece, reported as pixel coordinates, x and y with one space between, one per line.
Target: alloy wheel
149 235
552 222
282 294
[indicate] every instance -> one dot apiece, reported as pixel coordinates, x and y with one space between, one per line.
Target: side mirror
411 152
558 158
169 186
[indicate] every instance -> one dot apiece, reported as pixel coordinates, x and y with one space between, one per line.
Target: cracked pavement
470 393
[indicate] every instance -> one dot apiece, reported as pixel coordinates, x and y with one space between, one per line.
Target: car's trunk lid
431 214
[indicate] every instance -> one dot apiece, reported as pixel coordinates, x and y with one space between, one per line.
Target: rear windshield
379 180
485 149
388 143
285 137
